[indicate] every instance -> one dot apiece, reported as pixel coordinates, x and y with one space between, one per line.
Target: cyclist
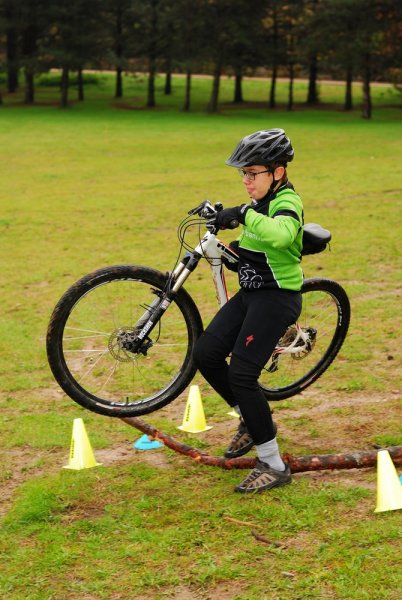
249 326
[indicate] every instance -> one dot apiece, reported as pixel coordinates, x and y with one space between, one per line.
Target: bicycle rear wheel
86 334
325 317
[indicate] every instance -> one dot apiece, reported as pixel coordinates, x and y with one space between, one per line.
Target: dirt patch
347 478
222 591
313 423
126 453
40 400
116 455
78 512
23 463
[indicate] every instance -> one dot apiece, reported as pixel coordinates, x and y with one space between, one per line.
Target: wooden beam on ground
297 464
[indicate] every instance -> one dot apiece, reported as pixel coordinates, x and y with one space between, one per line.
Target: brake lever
212 228
195 210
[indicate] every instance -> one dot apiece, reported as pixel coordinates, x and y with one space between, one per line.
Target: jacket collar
262 205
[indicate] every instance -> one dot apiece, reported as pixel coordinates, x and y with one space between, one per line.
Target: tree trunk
119 52
151 84
29 97
298 464
65 78
29 50
348 90
168 84
291 81
238 91
213 102
152 55
272 91
12 69
168 77
187 96
80 82
291 68
312 94
367 107
119 82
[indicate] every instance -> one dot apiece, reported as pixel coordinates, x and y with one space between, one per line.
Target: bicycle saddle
315 238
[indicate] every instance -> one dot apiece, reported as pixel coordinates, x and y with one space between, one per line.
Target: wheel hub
122 344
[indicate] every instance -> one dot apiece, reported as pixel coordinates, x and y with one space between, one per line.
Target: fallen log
297 464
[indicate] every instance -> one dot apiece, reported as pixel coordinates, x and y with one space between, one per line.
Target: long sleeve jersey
271 242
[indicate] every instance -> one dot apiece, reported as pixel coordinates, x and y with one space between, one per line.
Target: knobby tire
87 360
326 307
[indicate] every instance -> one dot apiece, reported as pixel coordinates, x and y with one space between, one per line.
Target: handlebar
208 211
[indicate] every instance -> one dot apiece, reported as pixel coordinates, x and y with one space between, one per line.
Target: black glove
229 218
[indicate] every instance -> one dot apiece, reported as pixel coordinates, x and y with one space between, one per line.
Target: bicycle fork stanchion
154 312
297 464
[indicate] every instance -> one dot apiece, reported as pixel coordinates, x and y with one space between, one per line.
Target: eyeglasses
251 175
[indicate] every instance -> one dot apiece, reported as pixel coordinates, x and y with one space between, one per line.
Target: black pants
248 327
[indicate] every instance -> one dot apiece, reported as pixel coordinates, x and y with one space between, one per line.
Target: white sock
237 409
269 453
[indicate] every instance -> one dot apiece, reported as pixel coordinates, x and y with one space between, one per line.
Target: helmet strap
274 185
275 182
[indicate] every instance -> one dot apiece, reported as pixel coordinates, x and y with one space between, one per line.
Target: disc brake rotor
119 344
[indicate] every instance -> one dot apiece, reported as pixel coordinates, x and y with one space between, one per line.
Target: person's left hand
229 218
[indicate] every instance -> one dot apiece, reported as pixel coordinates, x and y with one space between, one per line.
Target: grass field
107 182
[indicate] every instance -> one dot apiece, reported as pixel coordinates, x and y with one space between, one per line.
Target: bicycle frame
124 384
213 250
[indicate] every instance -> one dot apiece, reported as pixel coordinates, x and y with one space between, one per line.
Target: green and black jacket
270 245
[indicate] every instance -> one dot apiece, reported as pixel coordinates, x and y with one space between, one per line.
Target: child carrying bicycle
251 323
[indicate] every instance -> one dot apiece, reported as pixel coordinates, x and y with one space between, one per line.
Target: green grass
96 185
117 541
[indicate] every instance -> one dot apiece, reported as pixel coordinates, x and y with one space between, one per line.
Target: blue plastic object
144 443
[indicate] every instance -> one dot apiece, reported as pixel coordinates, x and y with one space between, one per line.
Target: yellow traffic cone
194 417
233 413
81 453
389 489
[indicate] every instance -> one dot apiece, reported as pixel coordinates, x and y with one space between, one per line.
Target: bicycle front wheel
86 335
325 320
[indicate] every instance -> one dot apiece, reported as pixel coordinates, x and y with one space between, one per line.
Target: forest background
333 39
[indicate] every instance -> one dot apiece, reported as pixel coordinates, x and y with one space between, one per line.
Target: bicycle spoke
319 312
85 337
98 360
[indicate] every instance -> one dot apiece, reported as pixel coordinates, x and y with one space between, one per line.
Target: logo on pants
249 339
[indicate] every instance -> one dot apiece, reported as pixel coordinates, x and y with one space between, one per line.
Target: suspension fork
158 307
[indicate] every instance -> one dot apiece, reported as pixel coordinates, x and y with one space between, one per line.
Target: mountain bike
120 340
